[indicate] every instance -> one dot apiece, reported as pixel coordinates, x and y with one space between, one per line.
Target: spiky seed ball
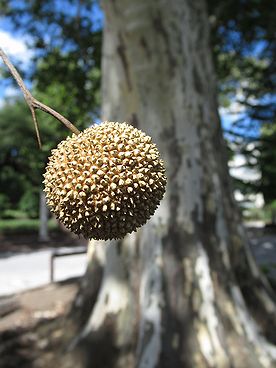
106 181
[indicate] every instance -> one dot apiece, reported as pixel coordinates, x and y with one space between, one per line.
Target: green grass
257 214
14 214
23 225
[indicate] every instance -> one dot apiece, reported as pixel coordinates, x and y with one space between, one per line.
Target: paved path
26 271
264 250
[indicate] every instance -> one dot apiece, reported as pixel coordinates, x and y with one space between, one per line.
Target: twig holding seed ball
34 103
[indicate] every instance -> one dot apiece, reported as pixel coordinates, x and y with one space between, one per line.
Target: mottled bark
174 294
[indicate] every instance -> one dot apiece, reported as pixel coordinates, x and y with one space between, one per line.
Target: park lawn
23 225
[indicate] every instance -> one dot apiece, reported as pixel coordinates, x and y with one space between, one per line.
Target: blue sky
14 43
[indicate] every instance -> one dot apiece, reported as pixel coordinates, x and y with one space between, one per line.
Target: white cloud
235 107
237 170
249 200
246 174
11 92
15 46
8 92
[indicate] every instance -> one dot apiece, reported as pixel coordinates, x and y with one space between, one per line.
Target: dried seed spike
121 179
100 172
113 186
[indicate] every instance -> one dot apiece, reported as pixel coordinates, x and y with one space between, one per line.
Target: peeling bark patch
99 346
207 231
145 46
149 341
87 295
174 206
178 337
264 350
119 247
134 120
159 27
170 135
116 10
197 81
121 49
208 332
148 333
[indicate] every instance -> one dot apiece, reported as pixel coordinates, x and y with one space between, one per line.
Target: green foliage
67 53
29 202
63 84
18 225
244 44
267 162
14 226
243 38
21 162
4 204
14 214
270 210
65 76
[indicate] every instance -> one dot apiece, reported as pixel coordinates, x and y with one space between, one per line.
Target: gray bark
174 293
43 234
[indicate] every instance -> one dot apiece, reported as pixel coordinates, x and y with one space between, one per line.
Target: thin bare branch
34 103
36 126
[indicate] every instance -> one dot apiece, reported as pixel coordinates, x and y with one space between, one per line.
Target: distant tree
20 163
244 47
65 75
267 163
66 42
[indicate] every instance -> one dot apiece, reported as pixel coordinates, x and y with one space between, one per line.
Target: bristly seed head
105 182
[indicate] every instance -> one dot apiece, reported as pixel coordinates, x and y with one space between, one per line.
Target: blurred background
56 46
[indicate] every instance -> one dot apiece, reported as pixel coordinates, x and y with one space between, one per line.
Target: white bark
209 330
113 295
151 299
264 350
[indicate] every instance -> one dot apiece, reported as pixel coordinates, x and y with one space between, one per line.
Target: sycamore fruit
105 182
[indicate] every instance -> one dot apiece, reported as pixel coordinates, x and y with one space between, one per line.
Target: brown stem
32 102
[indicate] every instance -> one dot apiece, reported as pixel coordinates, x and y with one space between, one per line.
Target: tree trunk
174 293
43 234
